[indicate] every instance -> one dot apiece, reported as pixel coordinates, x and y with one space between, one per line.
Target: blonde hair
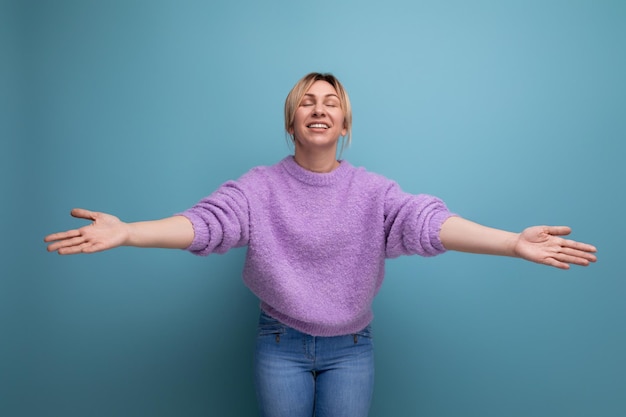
297 93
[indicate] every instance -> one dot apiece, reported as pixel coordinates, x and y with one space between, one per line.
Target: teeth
319 125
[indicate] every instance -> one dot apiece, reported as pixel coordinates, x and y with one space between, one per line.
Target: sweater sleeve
412 223
220 221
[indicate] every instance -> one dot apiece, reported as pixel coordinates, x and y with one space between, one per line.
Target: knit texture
317 242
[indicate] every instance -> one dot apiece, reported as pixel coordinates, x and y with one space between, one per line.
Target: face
318 120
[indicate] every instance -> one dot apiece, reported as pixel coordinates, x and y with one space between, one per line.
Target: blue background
513 112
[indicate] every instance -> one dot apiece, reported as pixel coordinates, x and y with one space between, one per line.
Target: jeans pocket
270 326
365 334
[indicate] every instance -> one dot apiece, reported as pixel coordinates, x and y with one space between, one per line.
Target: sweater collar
314 178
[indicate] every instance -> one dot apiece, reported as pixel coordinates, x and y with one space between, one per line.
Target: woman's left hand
545 245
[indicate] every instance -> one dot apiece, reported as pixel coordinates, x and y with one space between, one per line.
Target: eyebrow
327 95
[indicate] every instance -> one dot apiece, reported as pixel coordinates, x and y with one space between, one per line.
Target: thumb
558 230
83 214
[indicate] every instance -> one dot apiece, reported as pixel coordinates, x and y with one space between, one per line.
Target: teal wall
513 112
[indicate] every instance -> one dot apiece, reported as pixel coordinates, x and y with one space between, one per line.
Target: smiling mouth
318 126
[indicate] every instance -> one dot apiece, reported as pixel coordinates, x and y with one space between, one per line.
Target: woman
318 231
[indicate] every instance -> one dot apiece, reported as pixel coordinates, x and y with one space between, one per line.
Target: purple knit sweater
317 243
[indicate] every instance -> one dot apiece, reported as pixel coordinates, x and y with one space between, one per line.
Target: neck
316 161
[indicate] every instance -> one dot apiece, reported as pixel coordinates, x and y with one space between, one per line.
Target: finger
85 247
72 250
62 235
65 243
585 247
563 260
83 214
576 256
555 263
558 230
572 260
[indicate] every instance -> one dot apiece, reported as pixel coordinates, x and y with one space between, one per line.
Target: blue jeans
299 375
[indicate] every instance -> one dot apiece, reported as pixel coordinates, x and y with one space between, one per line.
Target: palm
544 245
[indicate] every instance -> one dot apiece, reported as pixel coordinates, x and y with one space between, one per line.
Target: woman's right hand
105 232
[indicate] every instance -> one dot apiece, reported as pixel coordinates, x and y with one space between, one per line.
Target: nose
318 109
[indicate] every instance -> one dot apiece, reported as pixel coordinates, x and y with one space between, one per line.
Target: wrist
512 245
130 234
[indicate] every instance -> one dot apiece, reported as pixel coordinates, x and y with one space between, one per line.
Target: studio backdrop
512 112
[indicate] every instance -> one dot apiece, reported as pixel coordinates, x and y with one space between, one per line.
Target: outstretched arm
108 232
540 244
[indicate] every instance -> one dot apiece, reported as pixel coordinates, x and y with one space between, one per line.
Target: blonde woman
318 231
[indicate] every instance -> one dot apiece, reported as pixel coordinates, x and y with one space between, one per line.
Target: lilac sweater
317 243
